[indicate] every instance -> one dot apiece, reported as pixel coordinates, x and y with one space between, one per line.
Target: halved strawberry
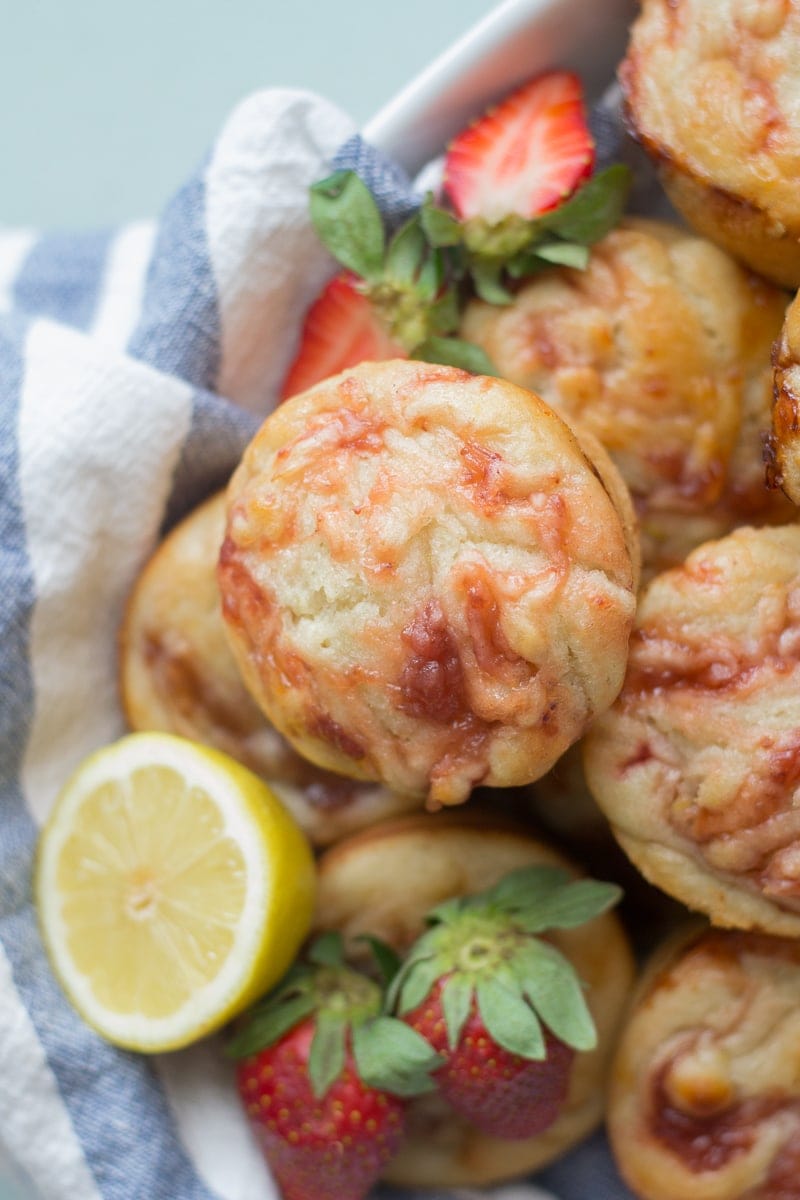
524 156
395 298
341 329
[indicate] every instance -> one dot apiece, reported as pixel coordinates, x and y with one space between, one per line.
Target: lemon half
173 889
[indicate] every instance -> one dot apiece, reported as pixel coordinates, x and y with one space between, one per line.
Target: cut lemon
173 889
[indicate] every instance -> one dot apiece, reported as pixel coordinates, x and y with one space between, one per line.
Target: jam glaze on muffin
782 449
661 349
705 1085
711 89
426 580
697 765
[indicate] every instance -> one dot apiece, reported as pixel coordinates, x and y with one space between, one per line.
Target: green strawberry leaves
515 248
406 277
440 226
549 982
347 220
344 1007
595 209
455 352
419 279
386 958
487 276
327 1055
571 905
406 256
327 950
522 888
456 1005
416 984
392 1056
269 1021
484 950
564 254
509 1019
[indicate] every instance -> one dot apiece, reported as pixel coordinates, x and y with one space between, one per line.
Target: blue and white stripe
110 346
134 366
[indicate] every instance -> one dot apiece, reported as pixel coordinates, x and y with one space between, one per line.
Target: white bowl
512 43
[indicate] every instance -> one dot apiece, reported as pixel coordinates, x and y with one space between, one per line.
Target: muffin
697 765
383 881
705 1088
726 136
661 349
783 444
565 811
426 579
177 674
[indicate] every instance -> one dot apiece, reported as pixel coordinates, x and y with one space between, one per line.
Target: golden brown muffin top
697 765
661 349
705 1095
425 579
713 84
783 448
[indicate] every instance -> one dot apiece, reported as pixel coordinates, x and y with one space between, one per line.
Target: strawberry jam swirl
432 681
740 812
713 1097
179 679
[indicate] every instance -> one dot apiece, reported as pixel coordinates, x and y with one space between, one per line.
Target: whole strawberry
501 1006
323 1078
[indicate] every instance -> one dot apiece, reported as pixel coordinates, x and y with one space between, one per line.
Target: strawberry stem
486 951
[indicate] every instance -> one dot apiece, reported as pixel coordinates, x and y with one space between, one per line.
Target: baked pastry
177 674
705 1086
661 349
697 766
383 881
725 137
567 813
426 579
783 444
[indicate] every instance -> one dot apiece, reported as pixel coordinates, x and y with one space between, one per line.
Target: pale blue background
105 106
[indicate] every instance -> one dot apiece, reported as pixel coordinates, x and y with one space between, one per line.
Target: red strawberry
524 156
502 1093
341 329
322 1077
303 1135
501 1006
396 297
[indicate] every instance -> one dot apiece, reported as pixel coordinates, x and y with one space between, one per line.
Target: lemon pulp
173 889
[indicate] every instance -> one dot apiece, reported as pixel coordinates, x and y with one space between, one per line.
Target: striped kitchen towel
134 366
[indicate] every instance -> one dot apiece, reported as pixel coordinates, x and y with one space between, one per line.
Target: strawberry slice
523 157
341 329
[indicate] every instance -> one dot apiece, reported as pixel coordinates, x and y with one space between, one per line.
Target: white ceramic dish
512 43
